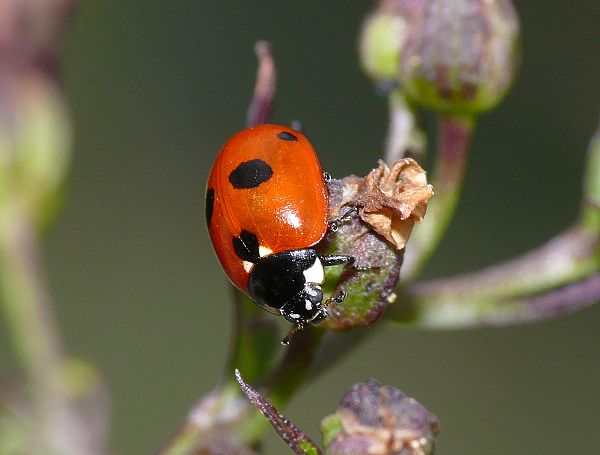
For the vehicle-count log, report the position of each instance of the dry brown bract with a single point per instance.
(390, 201)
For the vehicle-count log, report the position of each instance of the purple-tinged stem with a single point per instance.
(295, 438)
(566, 258)
(554, 279)
(261, 106)
(451, 161)
(404, 139)
(521, 290)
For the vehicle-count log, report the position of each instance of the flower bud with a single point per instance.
(382, 37)
(384, 206)
(460, 57)
(35, 144)
(379, 420)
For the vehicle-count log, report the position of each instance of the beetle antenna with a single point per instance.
(292, 333)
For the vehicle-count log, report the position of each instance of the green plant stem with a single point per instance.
(225, 411)
(335, 346)
(523, 289)
(591, 190)
(504, 293)
(255, 339)
(404, 138)
(451, 161)
(286, 377)
(26, 303)
(293, 368)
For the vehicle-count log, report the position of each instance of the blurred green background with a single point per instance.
(156, 87)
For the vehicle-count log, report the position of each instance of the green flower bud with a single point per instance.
(379, 44)
(35, 145)
(380, 210)
(459, 57)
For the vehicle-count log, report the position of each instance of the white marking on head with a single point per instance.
(264, 251)
(248, 266)
(308, 304)
(315, 273)
(294, 316)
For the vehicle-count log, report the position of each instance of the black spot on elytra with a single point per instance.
(286, 136)
(250, 174)
(209, 205)
(246, 246)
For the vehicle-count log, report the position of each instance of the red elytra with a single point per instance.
(267, 205)
(286, 211)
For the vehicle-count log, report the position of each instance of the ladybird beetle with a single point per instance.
(267, 205)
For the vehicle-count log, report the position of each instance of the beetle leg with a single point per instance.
(337, 297)
(336, 259)
(344, 259)
(335, 223)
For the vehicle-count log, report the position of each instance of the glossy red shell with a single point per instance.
(288, 210)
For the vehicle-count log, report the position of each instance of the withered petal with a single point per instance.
(393, 199)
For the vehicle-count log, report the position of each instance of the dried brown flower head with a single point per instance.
(391, 200)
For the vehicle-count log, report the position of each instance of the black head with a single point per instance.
(290, 282)
(305, 307)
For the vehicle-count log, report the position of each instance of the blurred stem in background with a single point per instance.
(404, 138)
(35, 149)
(448, 175)
(557, 278)
(28, 312)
